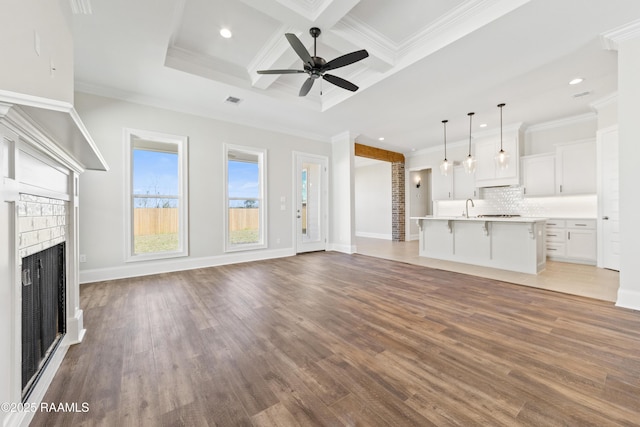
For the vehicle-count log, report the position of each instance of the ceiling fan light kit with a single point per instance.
(315, 67)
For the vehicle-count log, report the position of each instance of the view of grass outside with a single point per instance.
(155, 243)
(238, 237)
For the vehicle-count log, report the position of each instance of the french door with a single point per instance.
(311, 209)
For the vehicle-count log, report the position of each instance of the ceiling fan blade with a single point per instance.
(306, 87)
(297, 45)
(338, 81)
(280, 71)
(347, 59)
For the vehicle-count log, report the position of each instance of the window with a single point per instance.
(156, 195)
(245, 208)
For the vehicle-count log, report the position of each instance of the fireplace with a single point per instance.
(42, 230)
(44, 148)
(43, 310)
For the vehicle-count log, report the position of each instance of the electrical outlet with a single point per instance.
(83, 258)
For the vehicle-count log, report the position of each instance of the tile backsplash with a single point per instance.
(510, 200)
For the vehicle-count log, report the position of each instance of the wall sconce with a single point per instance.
(418, 183)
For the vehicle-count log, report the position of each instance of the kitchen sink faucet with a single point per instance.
(466, 207)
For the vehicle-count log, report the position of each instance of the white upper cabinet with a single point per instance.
(538, 174)
(441, 186)
(488, 173)
(576, 168)
(464, 184)
(457, 185)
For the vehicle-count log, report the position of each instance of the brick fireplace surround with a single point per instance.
(44, 148)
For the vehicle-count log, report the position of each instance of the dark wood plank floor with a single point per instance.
(333, 339)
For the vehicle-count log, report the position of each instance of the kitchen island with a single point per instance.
(516, 243)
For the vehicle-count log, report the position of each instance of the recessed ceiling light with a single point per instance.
(576, 81)
(483, 125)
(381, 138)
(226, 33)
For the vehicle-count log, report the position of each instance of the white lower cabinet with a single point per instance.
(572, 240)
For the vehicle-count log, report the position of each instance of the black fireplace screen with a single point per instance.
(43, 310)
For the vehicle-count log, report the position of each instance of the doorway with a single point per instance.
(311, 209)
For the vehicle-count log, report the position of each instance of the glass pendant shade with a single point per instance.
(502, 158)
(469, 163)
(445, 166)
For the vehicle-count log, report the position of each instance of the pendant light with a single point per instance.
(502, 158)
(445, 166)
(469, 163)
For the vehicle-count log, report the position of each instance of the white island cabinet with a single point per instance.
(516, 244)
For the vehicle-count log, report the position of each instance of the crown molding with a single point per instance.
(136, 98)
(611, 39)
(553, 124)
(601, 103)
(457, 23)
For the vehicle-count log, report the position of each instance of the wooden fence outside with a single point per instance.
(165, 220)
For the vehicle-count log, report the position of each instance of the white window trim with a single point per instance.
(262, 156)
(183, 193)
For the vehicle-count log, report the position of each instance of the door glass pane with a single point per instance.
(310, 197)
(303, 214)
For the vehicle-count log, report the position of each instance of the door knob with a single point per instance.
(605, 217)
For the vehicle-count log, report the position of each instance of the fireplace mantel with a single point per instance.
(44, 148)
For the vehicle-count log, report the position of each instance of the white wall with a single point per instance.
(629, 134)
(373, 200)
(102, 214)
(27, 72)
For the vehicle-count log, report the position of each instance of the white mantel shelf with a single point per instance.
(515, 244)
(61, 131)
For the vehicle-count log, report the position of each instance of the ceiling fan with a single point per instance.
(316, 66)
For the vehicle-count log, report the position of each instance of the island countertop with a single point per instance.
(509, 243)
(482, 218)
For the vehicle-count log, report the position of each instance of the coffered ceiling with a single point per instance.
(428, 60)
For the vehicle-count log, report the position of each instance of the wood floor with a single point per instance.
(575, 279)
(344, 340)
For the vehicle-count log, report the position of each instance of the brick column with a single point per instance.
(397, 201)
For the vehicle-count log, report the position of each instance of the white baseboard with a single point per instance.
(384, 236)
(178, 264)
(75, 329)
(347, 249)
(628, 299)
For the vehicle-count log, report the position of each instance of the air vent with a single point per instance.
(233, 100)
(581, 94)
